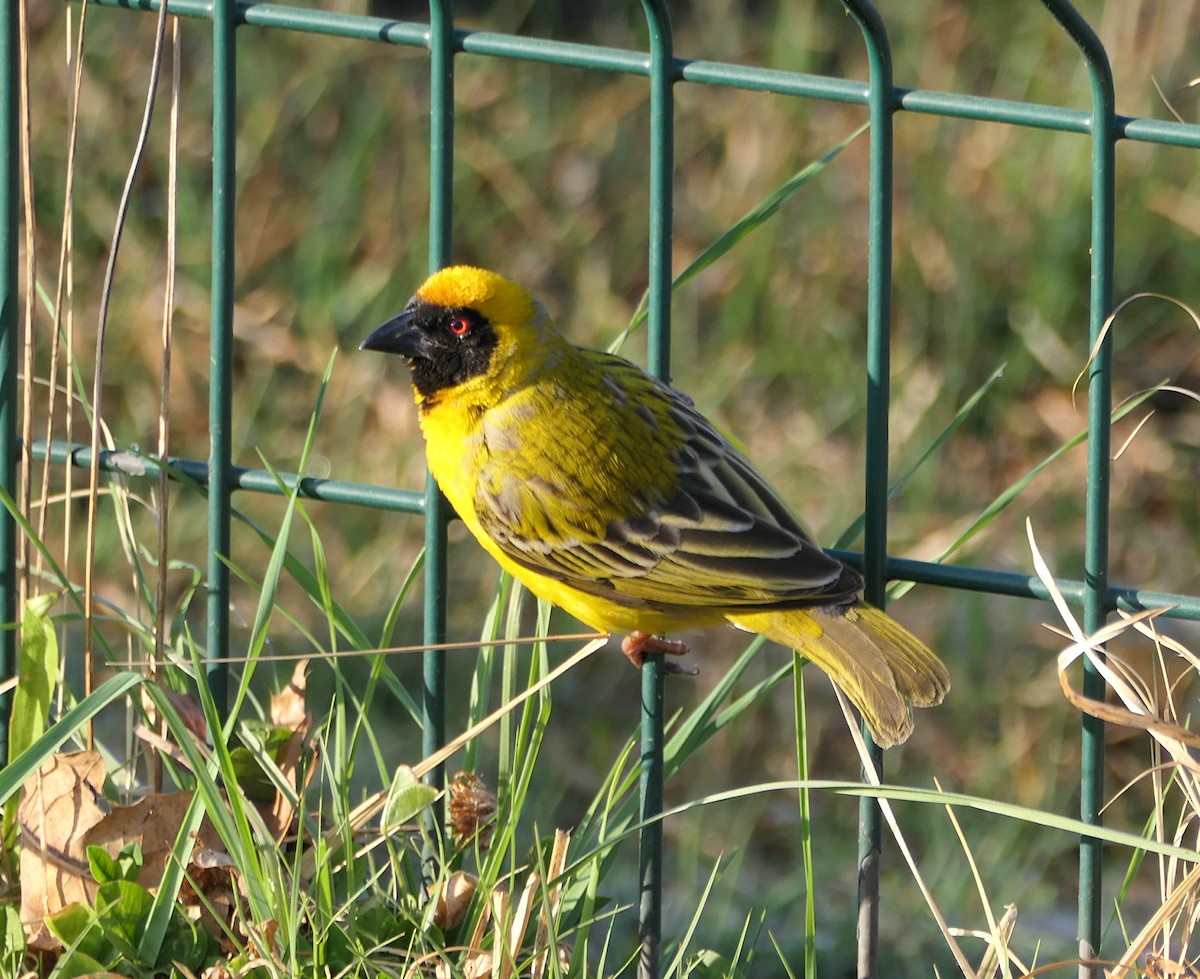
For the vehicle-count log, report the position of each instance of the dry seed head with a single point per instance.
(472, 809)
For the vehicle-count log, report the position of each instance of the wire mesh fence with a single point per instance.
(662, 70)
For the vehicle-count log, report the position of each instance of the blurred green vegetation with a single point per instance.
(550, 188)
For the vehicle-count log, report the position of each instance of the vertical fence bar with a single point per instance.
(1096, 520)
(662, 162)
(437, 510)
(882, 106)
(10, 217)
(220, 367)
(650, 837)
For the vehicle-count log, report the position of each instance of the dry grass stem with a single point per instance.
(24, 489)
(872, 776)
(998, 955)
(367, 810)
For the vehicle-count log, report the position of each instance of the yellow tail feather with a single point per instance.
(882, 667)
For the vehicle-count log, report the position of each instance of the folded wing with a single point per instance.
(664, 513)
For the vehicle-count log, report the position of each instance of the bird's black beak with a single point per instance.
(399, 335)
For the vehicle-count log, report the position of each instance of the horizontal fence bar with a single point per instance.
(744, 77)
(1018, 585)
(131, 463)
(966, 577)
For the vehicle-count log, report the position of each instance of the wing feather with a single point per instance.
(665, 513)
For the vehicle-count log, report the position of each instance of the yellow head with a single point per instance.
(470, 331)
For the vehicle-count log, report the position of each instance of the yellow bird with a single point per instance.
(609, 495)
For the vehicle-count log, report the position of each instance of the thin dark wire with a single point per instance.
(394, 650)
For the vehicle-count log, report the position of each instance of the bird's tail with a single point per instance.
(882, 667)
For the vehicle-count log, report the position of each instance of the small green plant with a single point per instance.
(107, 936)
(12, 941)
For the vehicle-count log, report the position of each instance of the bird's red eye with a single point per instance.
(460, 326)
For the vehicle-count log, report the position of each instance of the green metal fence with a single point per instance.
(662, 70)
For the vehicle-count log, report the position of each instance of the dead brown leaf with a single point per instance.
(190, 712)
(289, 710)
(453, 899)
(1157, 967)
(289, 707)
(152, 823)
(65, 811)
(63, 800)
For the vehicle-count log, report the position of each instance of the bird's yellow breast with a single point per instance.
(454, 451)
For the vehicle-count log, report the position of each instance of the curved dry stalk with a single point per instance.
(101, 336)
(1111, 318)
(1140, 708)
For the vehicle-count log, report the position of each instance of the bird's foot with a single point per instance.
(637, 644)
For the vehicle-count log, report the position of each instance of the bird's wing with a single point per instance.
(645, 503)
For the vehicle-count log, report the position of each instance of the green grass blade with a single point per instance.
(1068, 825)
(782, 958)
(708, 717)
(38, 670)
(481, 676)
(393, 614)
(690, 932)
(749, 222)
(111, 690)
(1016, 488)
(307, 580)
(173, 876)
(270, 585)
(851, 533)
(535, 714)
(227, 811)
(805, 800)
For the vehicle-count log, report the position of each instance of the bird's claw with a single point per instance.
(637, 644)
